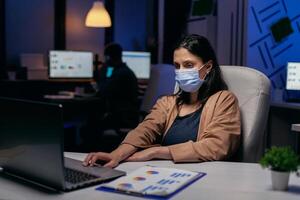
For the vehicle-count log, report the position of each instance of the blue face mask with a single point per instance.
(188, 79)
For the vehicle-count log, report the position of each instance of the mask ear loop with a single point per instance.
(206, 75)
(207, 63)
(202, 66)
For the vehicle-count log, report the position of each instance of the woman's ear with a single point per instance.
(209, 66)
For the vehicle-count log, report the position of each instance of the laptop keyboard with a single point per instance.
(75, 176)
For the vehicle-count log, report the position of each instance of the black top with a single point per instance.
(183, 129)
(119, 87)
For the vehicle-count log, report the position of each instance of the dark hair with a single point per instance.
(200, 47)
(114, 51)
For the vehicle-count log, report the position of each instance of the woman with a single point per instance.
(199, 123)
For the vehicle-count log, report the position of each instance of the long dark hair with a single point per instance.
(200, 47)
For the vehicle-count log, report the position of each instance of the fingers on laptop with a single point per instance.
(91, 158)
(87, 159)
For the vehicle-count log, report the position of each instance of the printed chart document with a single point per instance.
(153, 181)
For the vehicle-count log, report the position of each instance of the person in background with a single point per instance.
(199, 123)
(118, 106)
(118, 86)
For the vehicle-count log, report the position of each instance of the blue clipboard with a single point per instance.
(151, 196)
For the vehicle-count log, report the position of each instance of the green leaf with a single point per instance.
(280, 159)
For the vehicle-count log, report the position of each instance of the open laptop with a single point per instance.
(31, 147)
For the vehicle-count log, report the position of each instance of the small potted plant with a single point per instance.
(281, 161)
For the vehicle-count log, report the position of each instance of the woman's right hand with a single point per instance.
(110, 159)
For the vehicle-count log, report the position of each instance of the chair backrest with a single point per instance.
(252, 89)
(161, 82)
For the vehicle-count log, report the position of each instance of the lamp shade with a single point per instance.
(98, 16)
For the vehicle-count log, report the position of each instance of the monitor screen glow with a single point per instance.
(293, 76)
(70, 64)
(138, 62)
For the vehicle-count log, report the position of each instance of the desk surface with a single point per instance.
(224, 180)
(282, 104)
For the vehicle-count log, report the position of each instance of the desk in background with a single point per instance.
(76, 110)
(224, 180)
(296, 129)
(36, 89)
(281, 117)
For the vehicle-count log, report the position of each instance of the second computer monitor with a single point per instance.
(293, 76)
(70, 65)
(138, 62)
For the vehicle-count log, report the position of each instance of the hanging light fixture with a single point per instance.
(98, 16)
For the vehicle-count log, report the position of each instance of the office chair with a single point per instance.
(161, 82)
(252, 89)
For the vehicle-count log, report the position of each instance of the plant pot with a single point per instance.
(280, 180)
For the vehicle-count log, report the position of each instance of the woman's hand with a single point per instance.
(151, 153)
(110, 159)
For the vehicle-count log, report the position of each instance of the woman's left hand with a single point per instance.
(150, 153)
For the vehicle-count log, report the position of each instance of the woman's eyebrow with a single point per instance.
(188, 61)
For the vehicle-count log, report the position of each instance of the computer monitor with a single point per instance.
(70, 65)
(293, 76)
(292, 88)
(138, 62)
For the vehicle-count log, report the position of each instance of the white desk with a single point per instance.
(288, 105)
(224, 180)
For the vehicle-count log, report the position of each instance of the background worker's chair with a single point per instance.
(161, 82)
(252, 89)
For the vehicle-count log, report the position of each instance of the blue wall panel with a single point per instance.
(130, 24)
(264, 53)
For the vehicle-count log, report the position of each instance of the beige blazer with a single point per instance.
(218, 135)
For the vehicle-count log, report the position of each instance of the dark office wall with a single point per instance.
(35, 26)
(78, 36)
(60, 24)
(109, 32)
(29, 28)
(130, 24)
(2, 36)
(3, 74)
(152, 29)
(175, 21)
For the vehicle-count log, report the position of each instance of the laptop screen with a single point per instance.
(31, 140)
